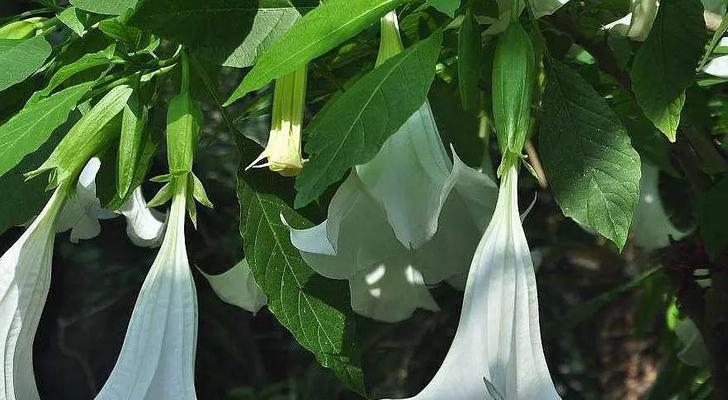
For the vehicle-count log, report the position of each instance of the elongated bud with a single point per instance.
(513, 81)
(184, 125)
(283, 150)
(89, 136)
(390, 43)
(21, 29)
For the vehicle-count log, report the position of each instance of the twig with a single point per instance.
(535, 162)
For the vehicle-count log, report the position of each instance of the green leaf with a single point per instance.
(447, 7)
(35, 123)
(106, 7)
(324, 28)
(586, 152)
(20, 58)
(665, 65)
(316, 310)
(351, 130)
(713, 219)
(470, 63)
(133, 123)
(208, 31)
(91, 134)
(88, 61)
(72, 17)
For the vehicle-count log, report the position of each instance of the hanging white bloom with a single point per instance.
(392, 237)
(25, 277)
(144, 226)
(83, 210)
(238, 287)
(497, 352)
(157, 359)
(651, 226)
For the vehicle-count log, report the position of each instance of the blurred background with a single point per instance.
(605, 316)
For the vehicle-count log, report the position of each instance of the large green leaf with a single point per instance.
(316, 310)
(324, 28)
(665, 65)
(20, 58)
(591, 165)
(33, 125)
(204, 26)
(351, 130)
(107, 7)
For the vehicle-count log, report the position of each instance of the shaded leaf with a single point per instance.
(106, 7)
(20, 58)
(208, 31)
(447, 7)
(665, 65)
(713, 219)
(592, 167)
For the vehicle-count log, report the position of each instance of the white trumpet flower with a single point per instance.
(25, 277)
(391, 235)
(144, 226)
(497, 352)
(157, 359)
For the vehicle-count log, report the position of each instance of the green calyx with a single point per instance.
(513, 82)
(390, 43)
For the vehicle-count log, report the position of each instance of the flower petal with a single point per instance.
(157, 358)
(25, 277)
(238, 287)
(390, 291)
(717, 67)
(498, 338)
(463, 220)
(413, 196)
(355, 235)
(83, 210)
(144, 226)
(651, 226)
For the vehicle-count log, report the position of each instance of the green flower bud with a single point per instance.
(390, 44)
(513, 82)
